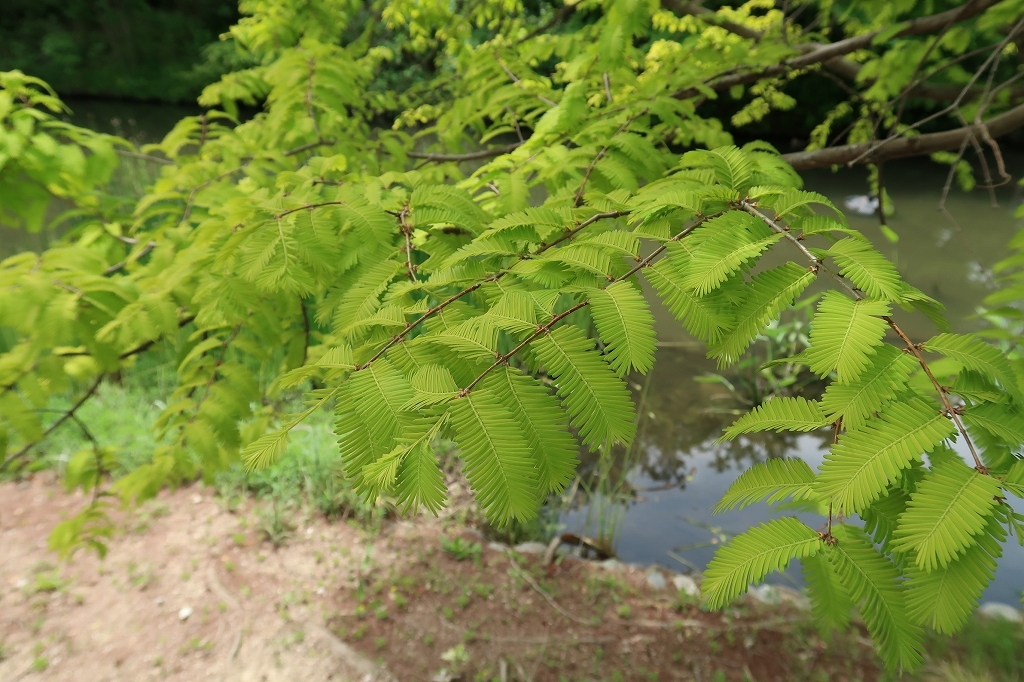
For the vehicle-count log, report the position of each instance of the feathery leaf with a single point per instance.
(626, 326)
(774, 479)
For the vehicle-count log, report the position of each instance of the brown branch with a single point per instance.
(469, 156)
(397, 338)
(144, 157)
(814, 54)
(310, 145)
(117, 266)
(870, 152)
(67, 415)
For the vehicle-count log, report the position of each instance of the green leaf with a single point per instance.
(881, 382)
(779, 414)
(733, 239)
(265, 450)
(420, 481)
(975, 354)
(772, 480)
(863, 462)
(543, 423)
(750, 556)
(703, 317)
(950, 508)
(869, 270)
(844, 334)
(769, 293)
(499, 462)
(944, 598)
(830, 604)
(626, 326)
(431, 384)
(873, 583)
(597, 401)
(370, 415)
(1000, 419)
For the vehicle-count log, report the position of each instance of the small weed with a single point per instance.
(462, 601)
(381, 612)
(359, 633)
(275, 527)
(461, 549)
(400, 601)
(158, 661)
(47, 582)
(40, 663)
(380, 642)
(447, 612)
(624, 611)
(428, 640)
(239, 539)
(456, 657)
(483, 590)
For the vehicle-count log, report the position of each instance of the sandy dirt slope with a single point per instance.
(120, 619)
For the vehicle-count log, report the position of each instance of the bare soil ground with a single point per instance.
(339, 602)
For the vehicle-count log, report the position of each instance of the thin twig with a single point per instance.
(144, 157)
(63, 418)
(547, 597)
(469, 156)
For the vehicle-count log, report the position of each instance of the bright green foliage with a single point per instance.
(862, 463)
(771, 481)
(831, 605)
(779, 414)
(878, 385)
(844, 335)
(750, 556)
(945, 514)
(872, 583)
(318, 247)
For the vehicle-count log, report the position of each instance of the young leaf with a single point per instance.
(597, 401)
(769, 293)
(626, 326)
(499, 463)
(702, 316)
(885, 377)
(844, 334)
(774, 479)
(868, 269)
(945, 597)
(750, 556)
(872, 582)
(830, 604)
(779, 414)
(863, 462)
(542, 421)
(950, 508)
(977, 355)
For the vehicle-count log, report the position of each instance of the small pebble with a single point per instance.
(184, 613)
(685, 583)
(197, 498)
(1000, 611)
(531, 548)
(159, 601)
(656, 580)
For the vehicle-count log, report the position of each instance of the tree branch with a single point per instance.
(918, 145)
(469, 156)
(827, 54)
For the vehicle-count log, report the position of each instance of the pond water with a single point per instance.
(681, 472)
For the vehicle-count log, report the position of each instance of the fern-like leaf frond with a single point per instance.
(626, 326)
(946, 513)
(830, 604)
(779, 414)
(883, 380)
(844, 334)
(864, 462)
(773, 480)
(873, 583)
(597, 401)
(750, 556)
(975, 354)
(869, 270)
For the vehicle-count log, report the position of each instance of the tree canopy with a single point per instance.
(439, 222)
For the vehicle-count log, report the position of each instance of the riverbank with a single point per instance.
(193, 588)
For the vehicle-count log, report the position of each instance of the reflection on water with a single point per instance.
(678, 472)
